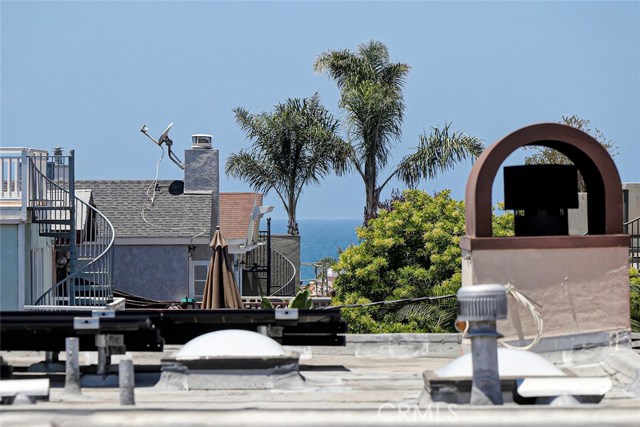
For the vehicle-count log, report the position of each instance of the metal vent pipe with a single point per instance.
(481, 306)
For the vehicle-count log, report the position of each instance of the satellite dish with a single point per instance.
(164, 138)
(176, 188)
(165, 134)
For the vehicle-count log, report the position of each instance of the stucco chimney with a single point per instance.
(202, 172)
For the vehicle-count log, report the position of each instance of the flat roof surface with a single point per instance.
(343, 386)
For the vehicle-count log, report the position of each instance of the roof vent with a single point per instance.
(201, 141)
(482, 303)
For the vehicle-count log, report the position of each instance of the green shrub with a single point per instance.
(634, 284)
(411, 250)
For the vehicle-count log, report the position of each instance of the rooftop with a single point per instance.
(128, 205)
(235, 210)
(372, 381)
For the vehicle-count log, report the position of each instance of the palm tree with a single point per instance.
(295, 145)
(371, 94)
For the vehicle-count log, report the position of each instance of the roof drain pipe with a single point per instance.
(481, 306)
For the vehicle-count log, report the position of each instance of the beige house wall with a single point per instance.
(578, 289)
(633, 189)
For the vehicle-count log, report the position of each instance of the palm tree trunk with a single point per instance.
(292, 227)
(372, 195)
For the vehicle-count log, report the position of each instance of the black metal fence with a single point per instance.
(632, 228)
(274, 273)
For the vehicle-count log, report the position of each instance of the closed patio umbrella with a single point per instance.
(220, 290)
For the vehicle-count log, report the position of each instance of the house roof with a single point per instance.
(128, 205)
(235, 212)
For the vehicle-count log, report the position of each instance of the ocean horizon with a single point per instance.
(320, 238)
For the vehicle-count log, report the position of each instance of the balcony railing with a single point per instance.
(42, 189)
(14, 173)
(632, 228)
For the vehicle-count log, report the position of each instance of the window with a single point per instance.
(197, 278)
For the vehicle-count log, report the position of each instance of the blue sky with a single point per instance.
(87, 75)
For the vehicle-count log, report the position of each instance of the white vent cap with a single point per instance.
(201, 141)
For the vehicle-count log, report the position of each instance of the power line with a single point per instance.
(396, 301)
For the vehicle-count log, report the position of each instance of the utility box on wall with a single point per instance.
(580, 283)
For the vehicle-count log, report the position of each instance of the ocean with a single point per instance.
(320, 238)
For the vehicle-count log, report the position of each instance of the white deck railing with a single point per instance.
(14, 173)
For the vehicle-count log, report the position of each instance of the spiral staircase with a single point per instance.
(273, 273)
(83, 236)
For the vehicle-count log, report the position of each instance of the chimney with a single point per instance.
(202, 173)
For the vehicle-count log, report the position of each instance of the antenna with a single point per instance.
(164, 138)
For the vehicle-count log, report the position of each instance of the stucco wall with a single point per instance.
(633, 198)
(201, 174)
(8, 266)
(578, 289)
(157, 272)
(202, 253)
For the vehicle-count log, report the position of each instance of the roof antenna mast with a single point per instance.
(164, 138)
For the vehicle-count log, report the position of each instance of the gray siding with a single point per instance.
(45, 244)
(8, 267)
(157, 272)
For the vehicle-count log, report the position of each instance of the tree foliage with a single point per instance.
(371, 93)
(294, 146)
(634, 283)
(410, 250)
(546, 155)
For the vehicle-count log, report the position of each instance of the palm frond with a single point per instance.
(438, 152)
(371, 93)
(435, 317)
(295, 145)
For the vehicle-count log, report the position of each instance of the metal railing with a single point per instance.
(281, 276)
(632, 228)
(255, 303)
(75, 225)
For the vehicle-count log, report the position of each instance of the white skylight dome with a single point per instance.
(511, 363)
(230, 343)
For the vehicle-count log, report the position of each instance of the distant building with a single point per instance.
(27, 259)
(162, 247)
(69, 243)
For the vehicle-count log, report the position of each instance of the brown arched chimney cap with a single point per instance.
(591, 158)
